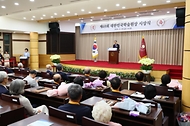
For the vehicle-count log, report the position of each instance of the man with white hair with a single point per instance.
(20, 66)
(49, 70)
(3, 83)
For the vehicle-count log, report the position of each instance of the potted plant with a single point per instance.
(55, 59)
(146, 65)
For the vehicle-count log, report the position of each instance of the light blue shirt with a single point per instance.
(27, 54)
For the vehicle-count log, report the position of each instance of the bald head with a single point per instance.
(87, 70)
(57, 78)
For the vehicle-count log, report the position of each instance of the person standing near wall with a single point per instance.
(6, 59)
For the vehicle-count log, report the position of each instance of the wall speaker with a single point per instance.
(53, 25)
(55, 30)
(180, 12)
(180, 22)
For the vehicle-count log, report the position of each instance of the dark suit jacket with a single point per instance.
(63, 76)
(3, 90)
(79, 110)
(50, 73)
(116, 46)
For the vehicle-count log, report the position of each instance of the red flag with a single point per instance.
(142, 51)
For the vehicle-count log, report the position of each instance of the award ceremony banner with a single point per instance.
(130, 24)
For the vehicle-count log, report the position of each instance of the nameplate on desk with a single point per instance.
(70, 116)
(138, 95)
(40, 122)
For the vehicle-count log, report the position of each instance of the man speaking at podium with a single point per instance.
(115, 45)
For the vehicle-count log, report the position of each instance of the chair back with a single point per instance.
(90, 122)
(162, 90)
(137, 87)
(68, 116)
(9, 98)
(45, 75)
(53, 86)
(110, 96)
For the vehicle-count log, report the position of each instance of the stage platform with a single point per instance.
(175, 71)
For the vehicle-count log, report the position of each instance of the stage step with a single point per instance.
(176, 73)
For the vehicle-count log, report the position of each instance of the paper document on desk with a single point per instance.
(40, 122)
(138, 95)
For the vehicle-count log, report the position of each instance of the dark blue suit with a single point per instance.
(116, 46)
(79, 110)
(63, 76)
(3, 90)
(50, 73)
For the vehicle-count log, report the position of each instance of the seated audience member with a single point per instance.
(102, 76)
(150, 92)
(59, 68)
(20, 66)
(139, 76)
(175, 84)
(17, 89)
(165, 79)
(62, 87)
(86, 77)
(8, 69)
(49, 70)
(102, 112)
(31, 80)
(115, 86)
(79, 80)
(75, 95)
(3, 83)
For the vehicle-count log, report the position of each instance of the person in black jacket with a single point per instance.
(59, 68)
(115, 45)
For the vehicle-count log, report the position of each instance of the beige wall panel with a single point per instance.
(1, 44)
(18, 47)
(34, 52)
(185, 92)
(42, 48)
(34, 45)
(187, 37)
(186, 62)
(1, 36)
(34, 59)
(21, 36)
(45, 59)
(42, 37)
(34, 66)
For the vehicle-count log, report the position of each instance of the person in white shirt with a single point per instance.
(17, 89)
(31, 80)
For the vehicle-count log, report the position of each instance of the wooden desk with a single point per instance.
(55, 121)
(123, 117)
(44, 99)
(171, 106)
(9, 113)
(96, 92)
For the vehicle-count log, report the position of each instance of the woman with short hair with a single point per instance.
(17, 89)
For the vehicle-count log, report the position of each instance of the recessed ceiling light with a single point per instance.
(98, 7)
(32, 0)
(89, 12)
(124, 16)
(101, 18)
(168, 1)
(55, 13)
(139, 1)
(75, 13)
(117, 5)
(16, 3)
(63, 15)
(44, 15)
(154, 9)
(112, 17)
(41, 18)
(3, 7)
(68, 12)
(152, 13)
(105, 10)
(168, 12)
(34, 16)
(104, 15)
(135, 11)
(91, 20)
(32, 19)
(24, 17)
(123, 7)
(51, 16)
(137, 15)
(144, 4)
(82, 9)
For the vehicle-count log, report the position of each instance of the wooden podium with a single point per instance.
(24, 61)
(113, 55)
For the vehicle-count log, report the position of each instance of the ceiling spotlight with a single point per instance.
(63, 15)
(82, 9)
(101, 19)
(123, 7)
(3, 7)
(89, 12)
(51, 16)
(168, 1)
(124, 16)
(34, 16)
(24, 17)
(105, 10)
(32, 19)
(75, 13)
(55, 13)
(144, 4)
(32, 0)
(139, 1)
(137, 15)
(44, 15)
(91, 20)
(41, 18)
(117, 5)
(17, 4)
(112, 17)
(168, 12)
(104, 15)
(68, 12)
(152, 13)
(98, 7)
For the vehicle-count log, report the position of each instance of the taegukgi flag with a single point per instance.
(94, 49)
(142, 51)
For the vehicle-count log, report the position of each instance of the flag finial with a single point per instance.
(143, 36)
